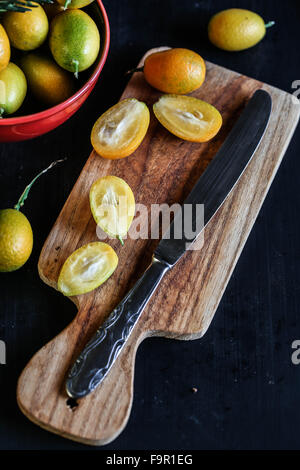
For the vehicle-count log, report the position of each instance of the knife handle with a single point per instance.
(99, 354)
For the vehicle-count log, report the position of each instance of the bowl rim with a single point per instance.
(61, 106)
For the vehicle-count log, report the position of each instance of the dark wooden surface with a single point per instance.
(248, 388)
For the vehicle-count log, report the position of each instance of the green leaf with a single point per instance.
(20, 6)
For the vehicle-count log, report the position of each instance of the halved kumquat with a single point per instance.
(112, 205)
(87, 268)
(120, 130)
(187, 117)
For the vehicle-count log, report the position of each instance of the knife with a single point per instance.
(211, 190)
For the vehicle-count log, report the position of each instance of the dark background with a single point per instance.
(248, 389)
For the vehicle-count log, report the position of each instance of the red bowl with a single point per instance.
(26, 127)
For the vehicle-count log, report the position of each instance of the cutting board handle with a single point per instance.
(56, 411)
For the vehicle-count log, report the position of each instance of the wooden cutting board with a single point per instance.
(163, 169)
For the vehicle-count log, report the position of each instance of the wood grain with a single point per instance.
(163, 169)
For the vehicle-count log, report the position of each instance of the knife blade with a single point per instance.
(211, 190)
